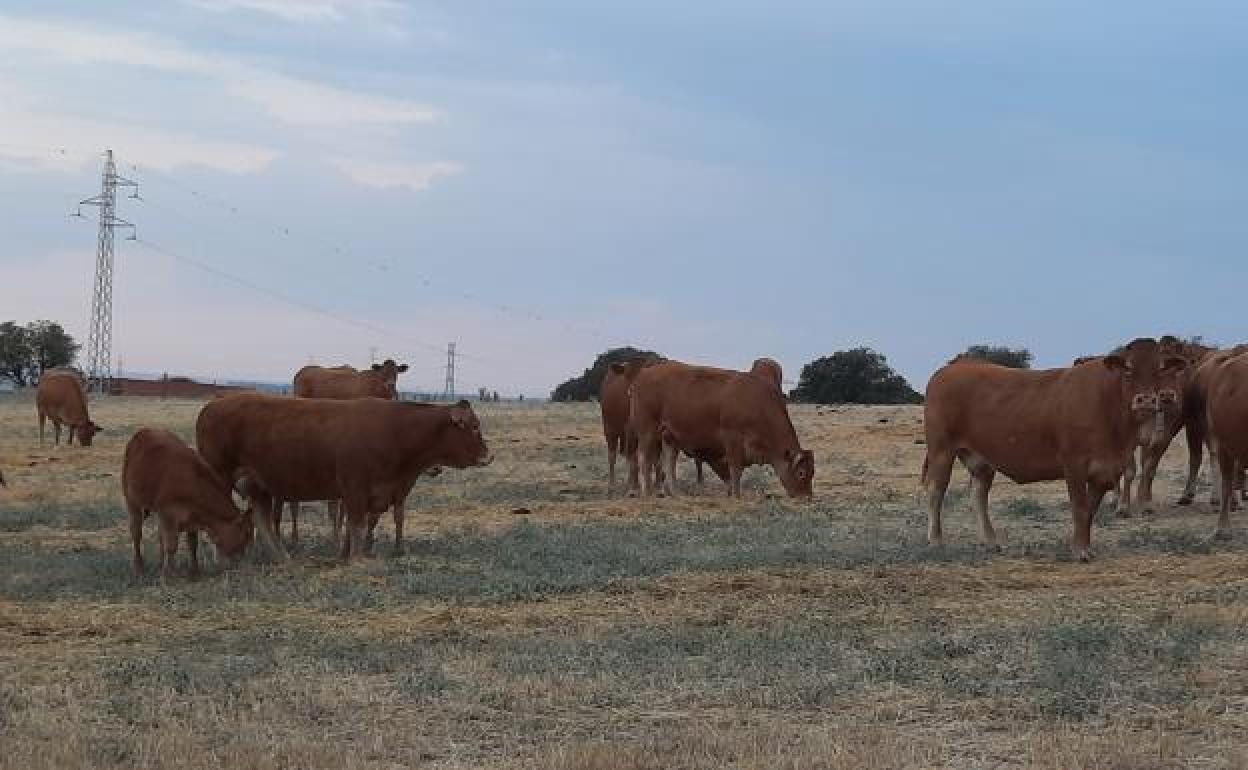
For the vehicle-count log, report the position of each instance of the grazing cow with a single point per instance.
(62, 398)
(160, 474)
(1075, 424)
(613, 400)
(348, 382)
(365, 452)
(715, 414)
(1226, 419)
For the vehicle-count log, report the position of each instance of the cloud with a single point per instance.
(299, 11)
(303, 103)
(291, 100)
(26, 136)
(390, 175)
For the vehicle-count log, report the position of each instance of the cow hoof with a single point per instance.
(1221, 534)
(1083, 555)
(1184, 500)
(1147, 511)
(1122, 513)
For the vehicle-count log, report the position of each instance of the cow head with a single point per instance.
(234, 536)
(797, 472)
(1151, 381)
(388, 379)
(464, 446)
(86, 432)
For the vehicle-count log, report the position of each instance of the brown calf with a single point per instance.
(160, 474)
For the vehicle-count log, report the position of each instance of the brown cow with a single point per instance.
(613, 400)
(348, 382)
(340, 382)
(715, 414)
(1187, 412)
(769, 369)
(1226, 419)
(365, 452)
(1075, 424)
(62, 399)
(160, 474)
(1195, 403)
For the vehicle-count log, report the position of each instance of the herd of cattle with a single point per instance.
(346, 440)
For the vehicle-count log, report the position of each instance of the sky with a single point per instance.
(327, 180)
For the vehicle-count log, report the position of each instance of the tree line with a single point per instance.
(26, 351)
(857, 376)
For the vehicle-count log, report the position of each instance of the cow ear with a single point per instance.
(1115, 363)
(619, 367)
(1174, 364)
(402, 368)
(376, 367)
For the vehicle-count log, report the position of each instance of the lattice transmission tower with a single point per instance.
(100, 337)
(450, 372)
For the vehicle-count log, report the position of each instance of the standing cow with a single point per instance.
(613, 399)
(339, 382)
(162, 475)
(1226, 419)
(381, 381)
(711, 414)
(62, 398)
(1075, 424)
(365, 452)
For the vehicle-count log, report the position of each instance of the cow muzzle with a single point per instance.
(1144, 402)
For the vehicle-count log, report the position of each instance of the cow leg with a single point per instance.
(56, 431)
(938, 470)
(371, 539)
(399, 513)
(670, 455)
(263, 504)
(356, 506)
(294, 524)
(333, 509)
(1226, 473)
(1126, 481)
(646, 461)
(613, 449)
(1195, 446)
(1144, 494)
(1081, 537)
(982, 475)
(136, 535)
(697, 464)
(192, 542)
(43, 420)
(168, 547)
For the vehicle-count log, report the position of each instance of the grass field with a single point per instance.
(595, 633)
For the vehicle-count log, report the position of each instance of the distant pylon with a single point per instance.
(100, 336)
(450, 371)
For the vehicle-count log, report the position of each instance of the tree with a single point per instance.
(27, 351)
(587, 386)
(1019, 358)
(858, 376)
(51, 347)
(15, 352)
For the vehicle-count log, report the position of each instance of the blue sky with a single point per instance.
(714, 180)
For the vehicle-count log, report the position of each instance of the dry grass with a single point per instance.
(593, 633)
